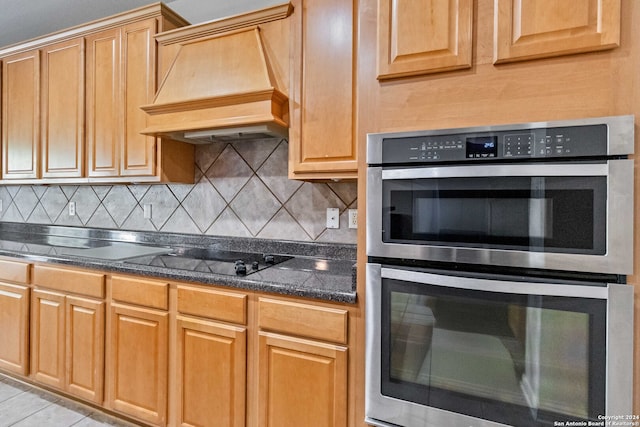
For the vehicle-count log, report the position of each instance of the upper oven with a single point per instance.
(553, 195)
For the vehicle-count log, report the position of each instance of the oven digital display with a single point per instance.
(482, 146)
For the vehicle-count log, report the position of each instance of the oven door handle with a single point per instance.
(575, 169)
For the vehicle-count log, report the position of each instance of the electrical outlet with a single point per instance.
(0, 205)
(147, 211)
(333, 218)
(72, 208)
(353, 218)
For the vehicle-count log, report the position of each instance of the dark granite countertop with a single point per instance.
(313, 270)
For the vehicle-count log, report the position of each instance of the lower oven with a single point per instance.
(497, 263)
(460, 350)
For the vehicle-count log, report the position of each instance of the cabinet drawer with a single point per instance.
(213, 304)
(140, 292)
(14, 271)
(74, 281)
(306, 320)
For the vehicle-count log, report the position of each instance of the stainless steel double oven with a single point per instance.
(497, 263)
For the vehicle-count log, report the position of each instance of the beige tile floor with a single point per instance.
(24, 406)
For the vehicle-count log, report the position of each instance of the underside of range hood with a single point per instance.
(219, 88)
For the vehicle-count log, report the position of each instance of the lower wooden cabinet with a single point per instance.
(14, 328)
(301, 382)
(85, 348)
(236, 358)
(67, 343)
(137, 362)
(211, 373)
(48, 338)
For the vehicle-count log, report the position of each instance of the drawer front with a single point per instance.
(213, 304)
(147, 293)
(67, 280)
(14, 271)
(305, 320)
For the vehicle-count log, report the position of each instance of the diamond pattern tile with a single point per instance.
(163, 204)
(119, 203)
(39, 216)
(86, 203)
(25, 201)
(255, 205)
(229, 173)
(54, 201)
(204, 204)
(101, 219)
(274, 174)
(283, 226)
(206, 154)
(241, 189)
(228, 224)
(309, 207)
(255, 152)
(180, 222)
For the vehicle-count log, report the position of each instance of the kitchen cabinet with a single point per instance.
(137, 350)
(67, 331)
(21, 115)
(62, 115)
(302, 372)
(424, 36)
(528, 29)
(14, 316)
(322, 134)
(71, 105)
(211, 358)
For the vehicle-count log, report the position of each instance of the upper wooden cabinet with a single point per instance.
(21, 122)
(423, 36)
(322, 140)
(62, 105)
(71, 105)
(527, 29)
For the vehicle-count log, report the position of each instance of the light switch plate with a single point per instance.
(146, 208)
(333, 218)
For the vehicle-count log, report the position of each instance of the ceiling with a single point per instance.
(27, 19)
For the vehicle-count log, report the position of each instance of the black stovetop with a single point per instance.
(212, 261)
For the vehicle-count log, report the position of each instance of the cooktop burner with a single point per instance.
(212, 261)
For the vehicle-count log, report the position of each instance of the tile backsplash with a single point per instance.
(240, 189)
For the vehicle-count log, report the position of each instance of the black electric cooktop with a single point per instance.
(212, 261)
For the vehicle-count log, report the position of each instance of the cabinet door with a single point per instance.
(139, 80)
(21, 115)
(48, 338)
(137, 363)
(63, 109)
(85, 348)
(211, 373)
(527, 29)
(104, 100)
(423, 36)
(14, 328)
(322, 141)
(301, 382)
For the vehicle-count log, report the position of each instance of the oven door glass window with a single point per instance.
(522, 360)
(545, 214)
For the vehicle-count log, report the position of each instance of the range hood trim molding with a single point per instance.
(272, 94)
(222, 112)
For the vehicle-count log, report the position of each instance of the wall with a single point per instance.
(240, 189)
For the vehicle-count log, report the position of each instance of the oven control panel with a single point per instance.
(514, 144)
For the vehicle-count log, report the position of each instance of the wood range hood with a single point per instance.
(219, 88)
